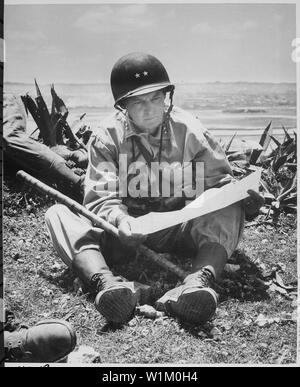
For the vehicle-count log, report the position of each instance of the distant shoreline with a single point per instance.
(176, 83)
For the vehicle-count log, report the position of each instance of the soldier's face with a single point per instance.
(147, 110)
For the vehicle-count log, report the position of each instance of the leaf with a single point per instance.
(291, 166)
(264, 142)
(45, 126)
(267, 162)
(279, 282)
(265, 186)
(279, 163)
(237, 171)
(288, 188)
(275, 288)
(59, 103)
(291, 200)
(38, 91)
(32, 108)
(290, 149)
(269, 198)
(52, 110)
(276, 141)
(77, 125)
(227, 146)
(286, 133)
(255, 156)
(289, 207)
(266, 137)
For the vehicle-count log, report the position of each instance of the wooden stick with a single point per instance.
(72, 204)
(99, 222)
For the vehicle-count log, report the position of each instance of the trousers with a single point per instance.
(71, 233)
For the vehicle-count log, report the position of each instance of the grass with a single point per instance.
(38, 286)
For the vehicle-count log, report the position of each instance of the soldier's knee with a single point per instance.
(56, 211)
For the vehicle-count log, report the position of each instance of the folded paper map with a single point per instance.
(211, 200)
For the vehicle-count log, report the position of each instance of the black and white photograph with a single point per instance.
(149, 186)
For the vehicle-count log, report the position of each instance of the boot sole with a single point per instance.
(117, 305)
(195, 307)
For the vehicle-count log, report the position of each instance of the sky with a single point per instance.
(195, 42)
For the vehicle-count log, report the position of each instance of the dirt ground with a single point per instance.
(255, 322)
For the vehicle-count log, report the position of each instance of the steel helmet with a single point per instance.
(138, 73)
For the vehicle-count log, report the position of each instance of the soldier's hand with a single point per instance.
(253, 203)
(62, 151)
(80, 157)
(126, 236)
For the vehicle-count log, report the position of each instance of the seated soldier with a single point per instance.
(34, 157)
(146, 130)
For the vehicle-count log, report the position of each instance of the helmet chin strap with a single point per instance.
(171, 103)
(125, 113)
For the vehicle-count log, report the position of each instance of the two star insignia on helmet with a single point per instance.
(137, 75)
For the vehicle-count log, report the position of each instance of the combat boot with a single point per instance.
(194, 301)
(48, 341)
(116, 298)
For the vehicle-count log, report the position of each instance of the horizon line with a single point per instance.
(176, 83)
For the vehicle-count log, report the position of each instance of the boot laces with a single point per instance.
(202, 278)
(104, 280)
(15, 349)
